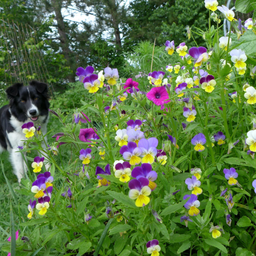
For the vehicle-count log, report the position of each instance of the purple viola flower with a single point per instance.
(131, 152)
(111, 75)
(145, 170)
(131, 85)
(103, 181)
(228, 219)
(169, 47)
(198, 141)
(153, 247)
(192, 204)
(231, 175)
(135, 136)
(182, 49)
(92, 83)
(189, 113)
(28, 129)
(131, 124)
(208, 83)
(229, 201)
(85, 155)
(81, 117)
(82, 73)
(223, 192)
(219, 137)
(48, 178)
(123, 171)
(173, 140)
(87, 217)
(254, 185)
(199, 54)
(157, 77)
(186, 219)
(31, 207)
(38, 187)
(194, 184)
(180, 88)
(161, 157)
(203, 73)
(157, 217)
(67, 193)
(184, 125)
(148, 149)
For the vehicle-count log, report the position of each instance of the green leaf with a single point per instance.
(50, 235)
(208, 209)
(243, 252)
(125, 252)
(177, 238)
(84, 247)
(122, 199)
(244, 222)
(120, 242)
(119, 228)
(216, 244)
(181, 160)
(173, 208)
(35, 222)
(236, 161)
(186, 245)
(245, 6)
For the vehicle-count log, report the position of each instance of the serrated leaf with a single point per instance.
(186, 245)
(119, 228)
(216, 244)
(244, 222)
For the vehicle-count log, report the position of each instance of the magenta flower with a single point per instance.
(87, 134)
(130, 85)
(82, 73)
(9, 240)
(158, 95)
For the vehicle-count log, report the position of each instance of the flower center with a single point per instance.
(157, 95)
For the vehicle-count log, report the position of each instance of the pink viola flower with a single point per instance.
(231, 175)
(180, 88)
(199, 54)
(131, 85)
(16, 238)
(145, 170)
(169, 47)
(82, 73)
(158, 95)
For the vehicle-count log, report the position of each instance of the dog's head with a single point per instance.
(28, 101)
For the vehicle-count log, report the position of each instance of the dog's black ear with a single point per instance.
(40, 87)
(13, 90)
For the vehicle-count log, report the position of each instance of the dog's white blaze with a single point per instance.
(32, 106)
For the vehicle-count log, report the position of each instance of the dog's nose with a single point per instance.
(32, 112)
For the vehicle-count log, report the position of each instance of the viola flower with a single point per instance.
(87, 134)
(189, 81)
(48, 178)
(196, 172)
(157, 78)
(121, 137)
(186, 219)
(250, 95)
(215, 231)
(161, 157)
(198, 141)
(135, 136)
(228, 219)
(130, 85)
(102, 152)
(131, 152)
(85, 155)
(239, 57)
(179, 80)
(148, 149)
(38, 187)
(158, 95)
(189, 113)
(219, 137)
(157, 217)
(180, 88)
(230, 175)
(169, 68)
(173, 141)
(181, 49)
(248, 23)
(123, 171)
(254, 185)
(251, 140)
(31, 206)
(43, 205)
(194, 184)
(223, 42)
(87, 217)
(192, 205)
(176, 69)
(211, 5)
(101, 78)
(103, 181)
(37, 164)
(91, 83)
(82, 73)
(208, 83)
(67, 193)
(145, 170)
(229, 14)
(28, 129)
(81, 118)
(136, 125)
(233, 96)
(229, 201)
(111, 75)
(169, 47)
(199, 54)
(140, 191)
(153, 247)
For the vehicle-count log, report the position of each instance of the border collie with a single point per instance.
(26, 104)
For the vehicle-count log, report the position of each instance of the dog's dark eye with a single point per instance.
(35, 98)
(23, 101)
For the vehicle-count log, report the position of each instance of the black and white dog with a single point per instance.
(27, 103)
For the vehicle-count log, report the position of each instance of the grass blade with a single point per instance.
(13, 233)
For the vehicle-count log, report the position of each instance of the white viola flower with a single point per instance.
(121, 137)
(250, 95)
(251, 140)
(229, 14)
(211, 4)
(179, 80)
(248, 23)
(223, 42)
(189, 81)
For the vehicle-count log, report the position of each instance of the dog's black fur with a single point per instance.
(26, 104)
